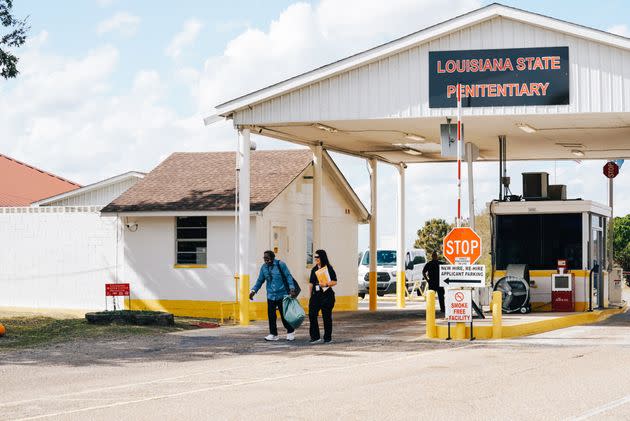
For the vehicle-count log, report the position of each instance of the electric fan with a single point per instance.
(514, 289)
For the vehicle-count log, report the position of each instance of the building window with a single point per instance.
(539, 240)
(309, 241)
(192, 240)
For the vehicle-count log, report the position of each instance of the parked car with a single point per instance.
(386, 271)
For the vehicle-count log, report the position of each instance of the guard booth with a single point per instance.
(540, 233)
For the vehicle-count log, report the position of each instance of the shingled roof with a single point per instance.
(205, 181)
(22, 184)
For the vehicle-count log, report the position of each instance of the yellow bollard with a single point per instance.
(372, 291)
(497, 326)
(400, 289)
(430, 315)
(244, 301)
(460, 331)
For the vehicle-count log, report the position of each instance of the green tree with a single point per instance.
(621, 241)
(431, 235)
(482, 228)
(13, 36)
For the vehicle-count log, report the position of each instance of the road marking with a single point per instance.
(245, 383)
(603, 408)
(123, 386)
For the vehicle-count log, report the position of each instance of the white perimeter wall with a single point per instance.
(150, 259)
(56, 257)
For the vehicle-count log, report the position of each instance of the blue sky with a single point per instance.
(72, 31)
(109, 86)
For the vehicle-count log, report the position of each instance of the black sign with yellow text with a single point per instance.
(499, 78)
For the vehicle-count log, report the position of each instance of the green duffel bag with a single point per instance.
(293, 312)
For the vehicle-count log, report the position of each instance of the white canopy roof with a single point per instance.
(366, 104)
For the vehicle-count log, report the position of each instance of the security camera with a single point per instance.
(132, 226)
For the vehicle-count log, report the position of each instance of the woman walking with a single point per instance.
(323, 278)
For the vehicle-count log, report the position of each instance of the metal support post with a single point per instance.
(459, 155)
(317, 196)
(610, 226)
(471, 188)
(243, 231)
(401, 252)
(373, 256)
(609, 242)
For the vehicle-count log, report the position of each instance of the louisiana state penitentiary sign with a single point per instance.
(496, 78)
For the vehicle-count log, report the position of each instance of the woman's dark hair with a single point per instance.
(323, 257)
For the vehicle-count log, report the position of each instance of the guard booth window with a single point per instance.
(192, 240)
(539, 240)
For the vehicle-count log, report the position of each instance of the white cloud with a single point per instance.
(187, 36)
(63, 115)
(37, 40)
(306, 36)
(620, 30)
(123, 23)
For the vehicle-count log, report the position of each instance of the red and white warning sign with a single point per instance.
(458, 305)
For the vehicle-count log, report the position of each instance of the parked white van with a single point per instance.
(386, 270)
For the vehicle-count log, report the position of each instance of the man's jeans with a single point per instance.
(272, 305)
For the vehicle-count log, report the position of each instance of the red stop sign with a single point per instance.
(462, 243)
(611, 170)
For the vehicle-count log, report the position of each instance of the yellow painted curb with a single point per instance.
(532, 328)
(212, 309)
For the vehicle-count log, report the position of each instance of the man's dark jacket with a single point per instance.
(432, 271)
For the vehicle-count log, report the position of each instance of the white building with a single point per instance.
(59, 252)
(180, 241)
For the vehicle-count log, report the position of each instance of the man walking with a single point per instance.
(432, 269)
(279, 284)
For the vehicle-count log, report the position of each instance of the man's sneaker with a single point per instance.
(327, 341)
(291, 336)
(315, 341)
(271, 337)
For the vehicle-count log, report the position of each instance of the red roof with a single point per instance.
(22, 184)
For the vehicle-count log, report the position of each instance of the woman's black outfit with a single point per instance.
(321, 300)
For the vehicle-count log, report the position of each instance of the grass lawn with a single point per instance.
(38, 330)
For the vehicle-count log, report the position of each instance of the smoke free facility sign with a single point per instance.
(500, 77)
(458, 305)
